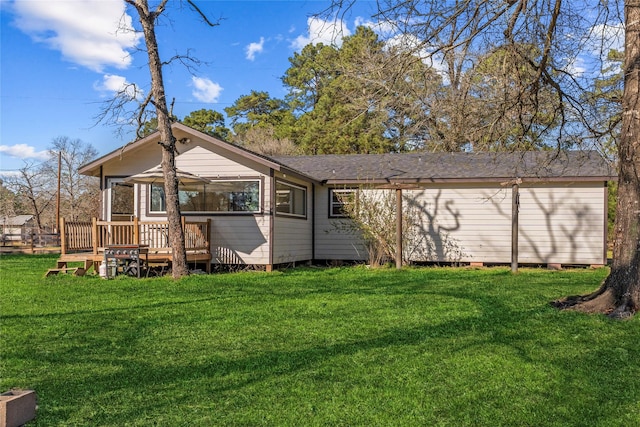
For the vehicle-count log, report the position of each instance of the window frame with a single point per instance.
(291, 185)
(111, 183)
(259, 209)
(333, 203)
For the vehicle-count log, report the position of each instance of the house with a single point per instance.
(16, 228)
(281, 210)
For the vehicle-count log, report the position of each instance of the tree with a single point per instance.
(79, 198)
(258, 109)
(157, 98)
(619, 294)
(9, 203)
(262, 140)
(209, 122)
(372, 215)
(323, 81)
(36, 191)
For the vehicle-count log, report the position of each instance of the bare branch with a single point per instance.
(202, 14)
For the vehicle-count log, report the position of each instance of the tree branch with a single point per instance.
(202, 14)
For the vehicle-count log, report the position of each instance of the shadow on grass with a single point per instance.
(582, 367)
(589, 372)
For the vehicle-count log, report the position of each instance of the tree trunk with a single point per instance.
(619, 295)
(179, 266)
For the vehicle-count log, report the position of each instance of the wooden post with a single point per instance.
(94, 235)
(63, 237)
(136, 231)
(58, 193)
(398, 228)
(515, 208)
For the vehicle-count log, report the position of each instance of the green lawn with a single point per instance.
(316, 347)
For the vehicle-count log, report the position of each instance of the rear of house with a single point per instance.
(248, 198)
(284, 210)
(465, 205)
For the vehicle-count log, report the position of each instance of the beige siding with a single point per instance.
(240, 240)
(334, 240)
(134, 162)
(200, 161)
(564, 225)
(558, 224)
(235, 238)
(467, 224)
(292, 236)
(292, 240)
(193, 158)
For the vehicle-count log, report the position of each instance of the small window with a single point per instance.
(339, 198)
(218, 196)
(291, 199)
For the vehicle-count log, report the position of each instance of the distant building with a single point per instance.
(16, 228)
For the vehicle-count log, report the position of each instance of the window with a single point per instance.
(218, 196)
(121, 200)
(339, 198)
(291, 199)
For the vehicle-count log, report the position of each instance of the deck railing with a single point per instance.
(94, 236)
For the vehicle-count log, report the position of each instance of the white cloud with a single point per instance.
(385, 29)
(577, 66)
(205, 90)
(609, 37)
(321, 31)
(254, 48)
(23, 151)
(91, 33)
(114, 84)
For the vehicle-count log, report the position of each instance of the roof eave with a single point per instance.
(499, 180)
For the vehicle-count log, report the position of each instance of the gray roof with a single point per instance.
(455, 167)
(15, 221)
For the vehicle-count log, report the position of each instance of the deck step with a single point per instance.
(76, 271)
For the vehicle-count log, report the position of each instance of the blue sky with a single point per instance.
(61, 59)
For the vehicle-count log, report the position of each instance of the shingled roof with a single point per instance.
(452, 167)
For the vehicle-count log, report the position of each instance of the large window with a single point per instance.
(218, 196)
(291, 199)
(338, 200)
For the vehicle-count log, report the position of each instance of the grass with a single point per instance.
(316, 347)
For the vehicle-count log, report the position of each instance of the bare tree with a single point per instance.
(157, 97)
(33, 187)
(262, 140)
(79, 198)
(371, 215)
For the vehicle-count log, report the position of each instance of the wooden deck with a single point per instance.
(85, 241)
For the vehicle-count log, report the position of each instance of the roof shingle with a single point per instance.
(441, 167)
